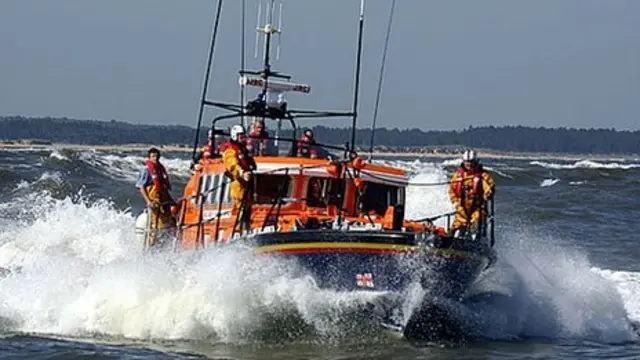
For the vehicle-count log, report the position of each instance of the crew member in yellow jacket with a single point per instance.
(239, 167)
(470, 188)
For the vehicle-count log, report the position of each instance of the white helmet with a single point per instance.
(235, 131)
(469, 155)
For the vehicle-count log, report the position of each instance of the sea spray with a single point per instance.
(554, 295)
(80, 275)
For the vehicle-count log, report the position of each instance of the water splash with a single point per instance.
(549, 291)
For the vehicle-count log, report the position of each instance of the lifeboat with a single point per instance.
(342, 220)
(340, 217)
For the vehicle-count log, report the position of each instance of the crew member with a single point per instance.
(470, 188)
(307, 145)
(239, 166)
(315, 196)
(258, 140)
(155, 188)
(208, 151)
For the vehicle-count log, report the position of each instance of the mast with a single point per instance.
(268, 30)
(271, 102)
(356, 88)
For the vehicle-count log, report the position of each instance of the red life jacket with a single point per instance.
(257, 143)
(307, 148)
(244, 157)
(159, 176)
(476, 189)
(208, 151)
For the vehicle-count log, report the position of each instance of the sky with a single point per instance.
(451, 64)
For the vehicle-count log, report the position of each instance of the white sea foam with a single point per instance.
(585, 164)
(549, 182)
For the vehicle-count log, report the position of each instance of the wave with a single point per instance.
(549, 182)
(79, 275)
(127, 167)
(586, 164)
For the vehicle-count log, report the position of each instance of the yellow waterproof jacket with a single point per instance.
(236, 161)
(469, 188)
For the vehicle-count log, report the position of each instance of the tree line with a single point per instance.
(505, 138)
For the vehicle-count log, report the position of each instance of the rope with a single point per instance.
(418, 184)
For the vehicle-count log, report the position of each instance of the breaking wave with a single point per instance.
(546, 291)
(75, 272)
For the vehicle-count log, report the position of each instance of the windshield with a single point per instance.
(322, 192)
(378, 197)
(271, 187)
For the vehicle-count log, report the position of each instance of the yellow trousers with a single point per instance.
(160, 217)
(465, 219)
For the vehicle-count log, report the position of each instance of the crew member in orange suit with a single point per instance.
(470, 188)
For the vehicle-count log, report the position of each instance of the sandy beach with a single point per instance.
(485, 153)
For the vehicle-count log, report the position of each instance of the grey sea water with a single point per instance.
(567, 241)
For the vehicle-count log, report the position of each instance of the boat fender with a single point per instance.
(141, 230)
(358, 183)
(358, 163)
(333, 169)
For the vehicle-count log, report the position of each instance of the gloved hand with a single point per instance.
(246, 175)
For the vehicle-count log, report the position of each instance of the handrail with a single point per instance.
(275, 201)
(434, 218)
(353, 182)
(348, 153)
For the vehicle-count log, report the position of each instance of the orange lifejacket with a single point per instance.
(476, 189)
(159, 176)
(206, 151)
(244, 157)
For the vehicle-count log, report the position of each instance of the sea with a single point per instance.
(75, 286)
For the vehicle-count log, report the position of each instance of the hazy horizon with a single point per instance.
(450, 65)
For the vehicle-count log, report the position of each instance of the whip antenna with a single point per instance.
(214, 35)
(242, 61)
(255, 51)
(280, 34)
(357, 80)
(380, 76)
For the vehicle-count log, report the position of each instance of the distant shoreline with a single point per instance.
(483, 153)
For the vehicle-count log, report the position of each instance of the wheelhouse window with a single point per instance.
(322, 192)
(378, 197)
(271, 187)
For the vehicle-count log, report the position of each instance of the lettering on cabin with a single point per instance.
(212, 214)
(356, 226)
(257, 231)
